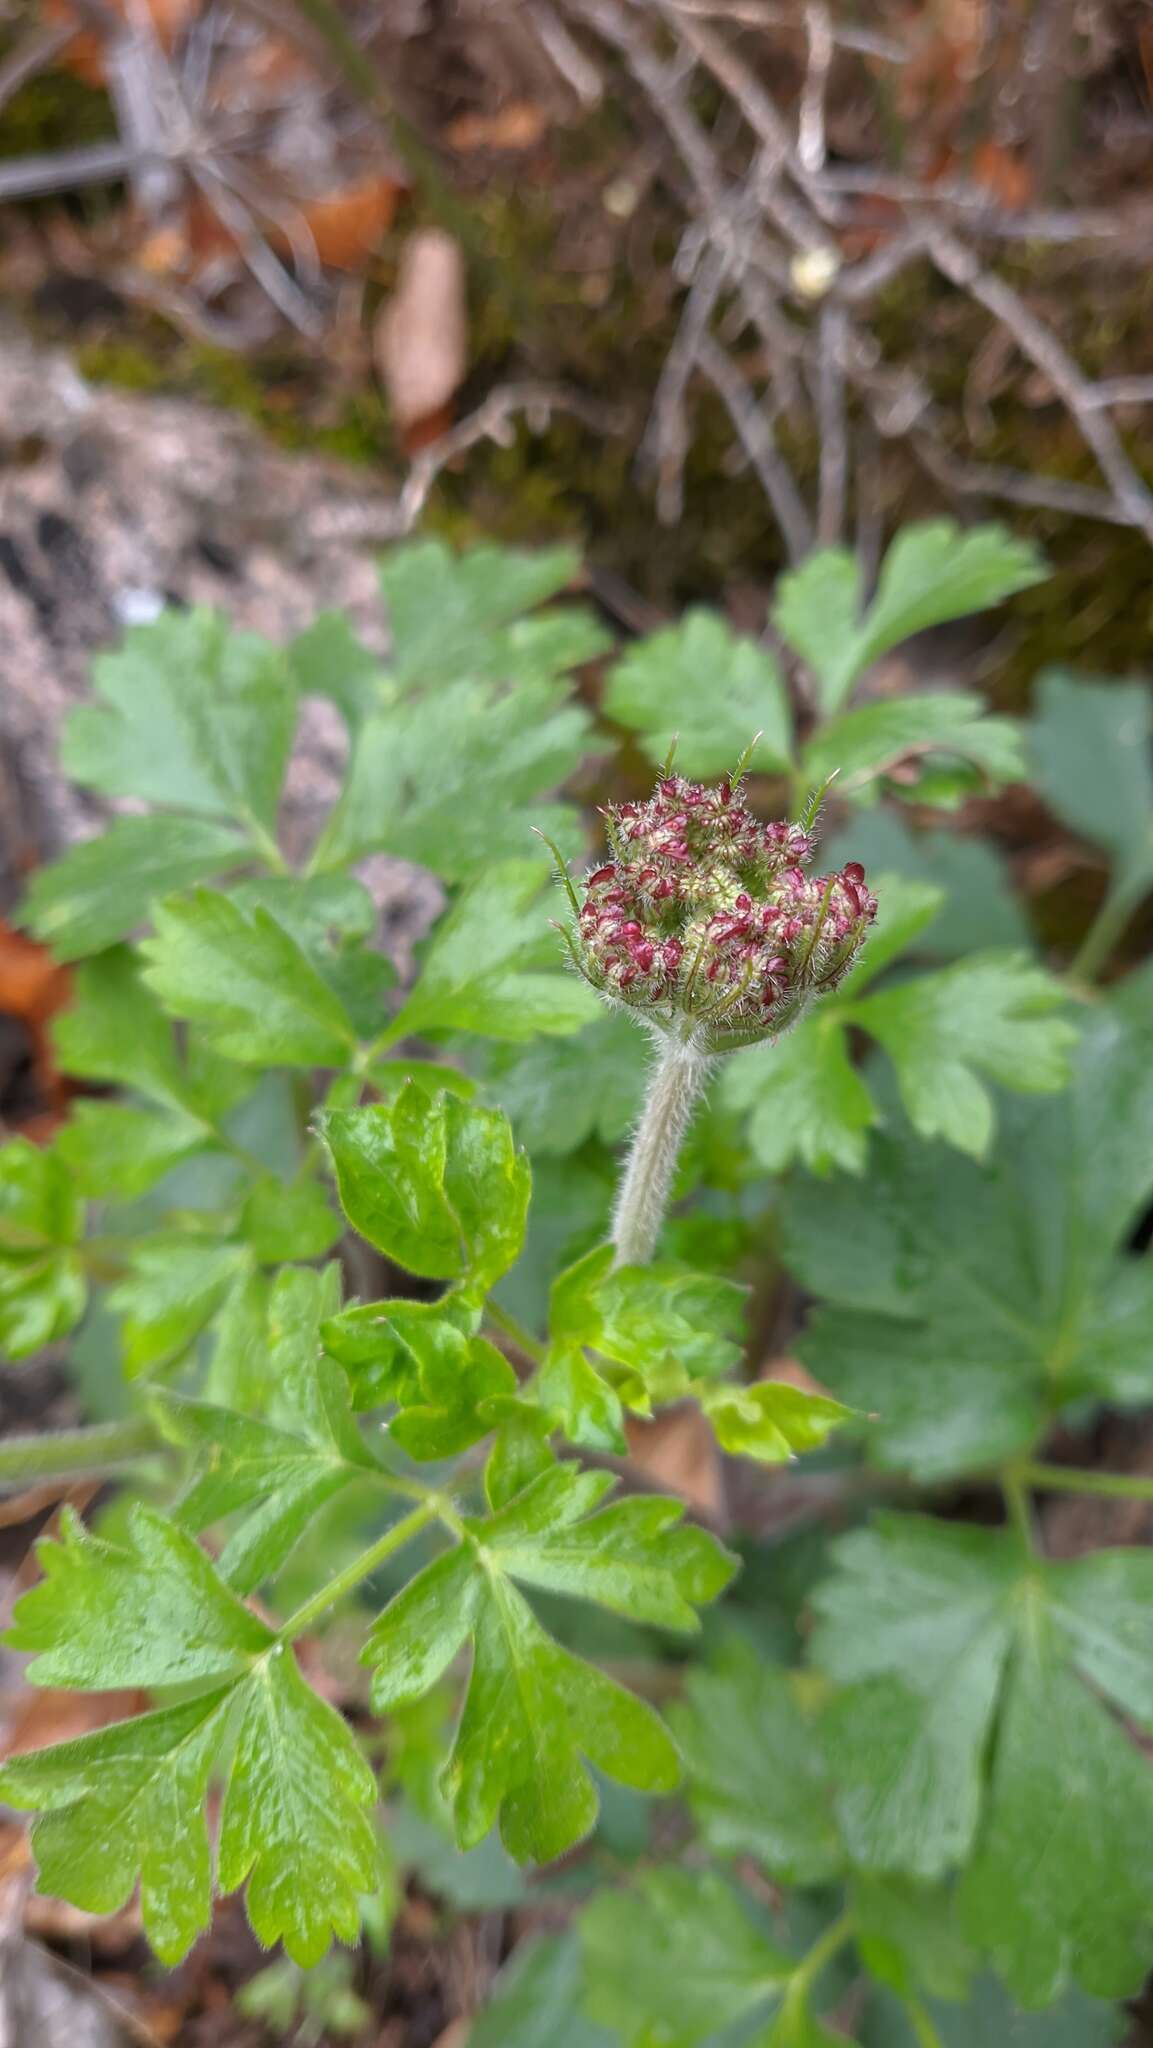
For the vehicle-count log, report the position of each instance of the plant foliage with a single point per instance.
(301, 1202)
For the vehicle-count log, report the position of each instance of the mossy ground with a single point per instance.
(562, 289)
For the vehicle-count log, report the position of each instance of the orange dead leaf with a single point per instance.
(1006, 176)
(517, 126)
(348, 226)
(32, 989)
(84, 55)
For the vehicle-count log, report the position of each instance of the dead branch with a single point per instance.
(832, 426)
(665, 443)
(811, 115)
(493, 420)
(754, 431)
(762, 14)
(1048, 354)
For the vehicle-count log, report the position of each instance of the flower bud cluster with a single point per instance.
(705, 915)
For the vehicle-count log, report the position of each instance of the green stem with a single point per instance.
(926, 2032)
(265, 845)
(515, 1331)
(394, 1539)
(819, 1956)
(57, 1453)
(1103, 934)
(1014, 1486)
(680, 1074)
(1065, 1479)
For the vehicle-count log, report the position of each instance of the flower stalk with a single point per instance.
(678, 1078)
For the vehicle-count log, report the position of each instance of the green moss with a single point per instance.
(122, 362)
(54, 111)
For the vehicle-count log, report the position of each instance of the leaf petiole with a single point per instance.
(343, 1582)
(1067, 1479)
(810, 1967)
(514, 1331)
(922, 2025)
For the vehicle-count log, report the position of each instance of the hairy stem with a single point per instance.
(57, 1453)
(677, 1081)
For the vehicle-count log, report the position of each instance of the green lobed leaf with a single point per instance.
(123, 1805)
(114, 1030)
(238, 1374)
(328, 660)
(460, 788)
(483, 971)
(991, 1014)
(559, 1092)
(770, 1420)
(807, 1099)
(295, 1822)
(285, 1479)
(1061, 1883)
(978, 909)
(1089, 746)
(657, 1320)
(809, 1102)
(676, 1958)
(329, 916)
(535, 2001)
(460, 614)
(532, 1709)
(380, 1344)
(116, 1152)
(864, 743)
(932, 572)
(710, 689)
(288, 1220)
(439, 1187)
(102, 890)
(172, 1290)
(757, 1780)
(965, 1305)
(916, 1625)
(970, 1728)
(246, 981)
(42, 1285)
(195, 716)
(458, 1378)
(817, 608)
(285, 1466)
(129, 1800)
(153, 1613)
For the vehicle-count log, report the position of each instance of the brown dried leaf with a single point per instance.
(421, 338)
(677, 1449)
